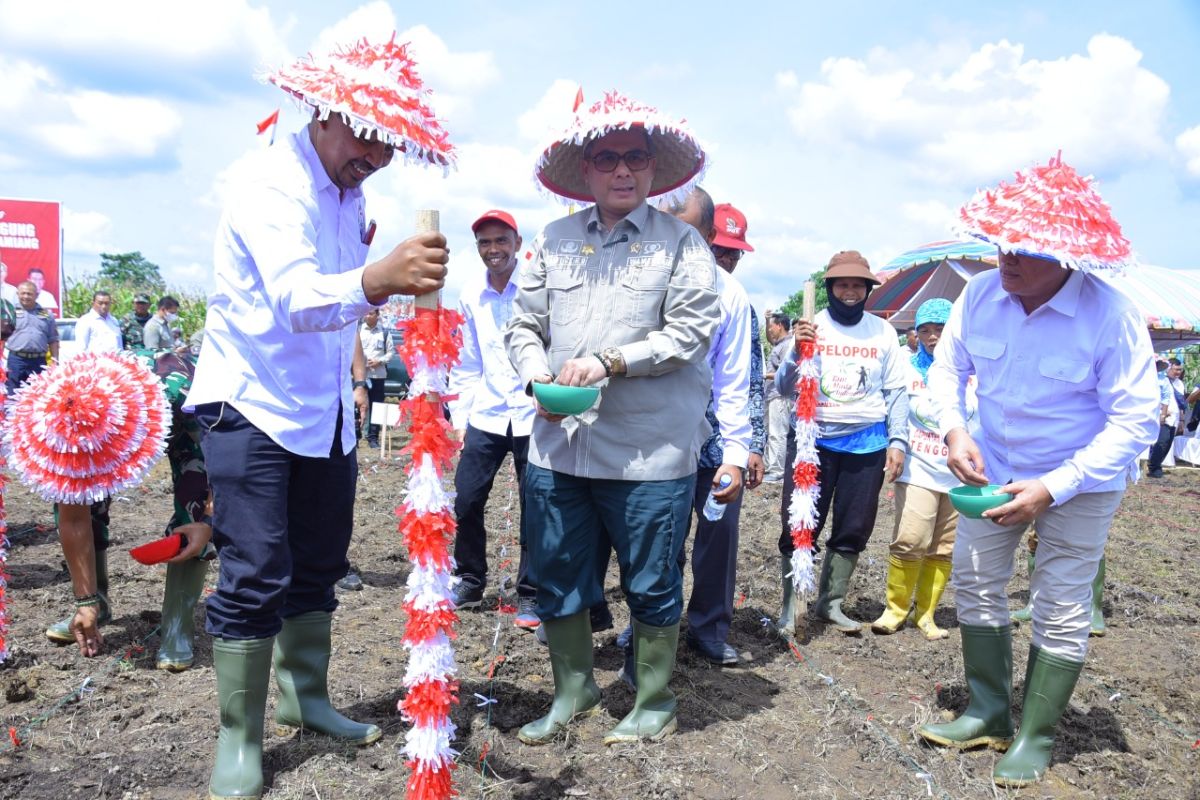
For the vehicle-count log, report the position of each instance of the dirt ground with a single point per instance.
(831, 716)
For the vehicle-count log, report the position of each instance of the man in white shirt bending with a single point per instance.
(492, 414)
(1067, 401)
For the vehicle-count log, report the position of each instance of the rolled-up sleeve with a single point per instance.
(278, 230)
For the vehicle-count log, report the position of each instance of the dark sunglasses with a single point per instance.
(607, 160)
(731, 253)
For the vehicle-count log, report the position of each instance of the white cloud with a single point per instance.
(1188, 144)
(990, 113)
(86, 233)
(929, 213)
(129, 36)
(551, 114)
(100, 126)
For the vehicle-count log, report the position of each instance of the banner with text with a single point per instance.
(30, 249)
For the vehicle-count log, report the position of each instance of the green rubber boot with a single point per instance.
(836, 570)
(1025, 614)
(1049, 683)
(60, 631)
(575, 691)
(653, 714)
(1098, 627)
(987, 658)
(243, 670)
(302, 651)
(786, 624)
(177, 629)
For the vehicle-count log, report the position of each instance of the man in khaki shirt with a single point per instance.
(625, 292)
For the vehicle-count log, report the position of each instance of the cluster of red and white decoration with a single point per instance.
(1049, 211)
(87, 427)
(431, 345)
(805, 470)
(3, 534)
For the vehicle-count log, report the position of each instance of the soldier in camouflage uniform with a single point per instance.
(134, 323)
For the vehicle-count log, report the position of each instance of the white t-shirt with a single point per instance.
(857, 363)
(927, 453)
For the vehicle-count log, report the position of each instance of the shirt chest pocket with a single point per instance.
(987, 356)
(1059, 375)
(643, 291)
(566, 296)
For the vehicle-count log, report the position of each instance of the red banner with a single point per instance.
(30, 249)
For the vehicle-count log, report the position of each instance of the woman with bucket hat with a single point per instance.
(862, 419)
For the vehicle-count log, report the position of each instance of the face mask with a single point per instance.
(171, 316)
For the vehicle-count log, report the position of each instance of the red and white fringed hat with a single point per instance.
(375, 87)
(1049, 212)
(87, 427)
(680, 160)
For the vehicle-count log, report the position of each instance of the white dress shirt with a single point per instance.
(729, 358)
(279, 334)
(490, 394)
(97, 334)
(377, 346)
(1067, 394)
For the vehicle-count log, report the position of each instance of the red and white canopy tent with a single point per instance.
(1169, 299)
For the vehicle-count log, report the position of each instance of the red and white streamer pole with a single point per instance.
(3, 533)
(430, 347)
(806, 468)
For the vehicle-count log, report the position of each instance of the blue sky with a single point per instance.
(862, 126)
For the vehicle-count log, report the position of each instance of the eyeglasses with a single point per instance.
(607, 160)
(731, 253)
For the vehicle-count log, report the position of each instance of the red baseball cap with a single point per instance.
(495, 215)
(730, 225)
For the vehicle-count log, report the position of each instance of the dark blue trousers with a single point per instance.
(20, 368)
(481, 457)
(714, 566)
(568, 519)
(281, 525)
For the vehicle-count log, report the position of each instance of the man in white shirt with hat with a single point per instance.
(1067, 401)
(272, 390)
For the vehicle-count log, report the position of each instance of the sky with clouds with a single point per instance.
(862, 126)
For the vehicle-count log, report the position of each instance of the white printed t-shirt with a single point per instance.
(925, 465)
(857, 363)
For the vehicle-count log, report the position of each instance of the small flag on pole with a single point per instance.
(269, 123)
(578, 99)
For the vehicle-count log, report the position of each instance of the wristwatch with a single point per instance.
(613, 361)
(360, 384)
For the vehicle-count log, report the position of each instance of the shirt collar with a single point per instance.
(321, 179)
(636, 218)
(1065, 301)
(486, 289)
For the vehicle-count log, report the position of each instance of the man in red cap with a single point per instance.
(491, 413)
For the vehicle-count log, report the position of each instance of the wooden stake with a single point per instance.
(810, 300)
(428, 220)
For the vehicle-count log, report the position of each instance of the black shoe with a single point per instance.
(373, 444)
(350, 583)
(467, 594)
(1154, 473)
(723, 654)
(527, 618)
(601, 617)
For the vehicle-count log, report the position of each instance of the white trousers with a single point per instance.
(779, 417)
(1071, 540)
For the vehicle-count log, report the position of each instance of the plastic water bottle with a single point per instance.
(714, 510)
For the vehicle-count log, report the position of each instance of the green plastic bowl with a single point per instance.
(972, 501)
(566, 400)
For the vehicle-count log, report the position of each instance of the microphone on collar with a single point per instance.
(624, 238)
